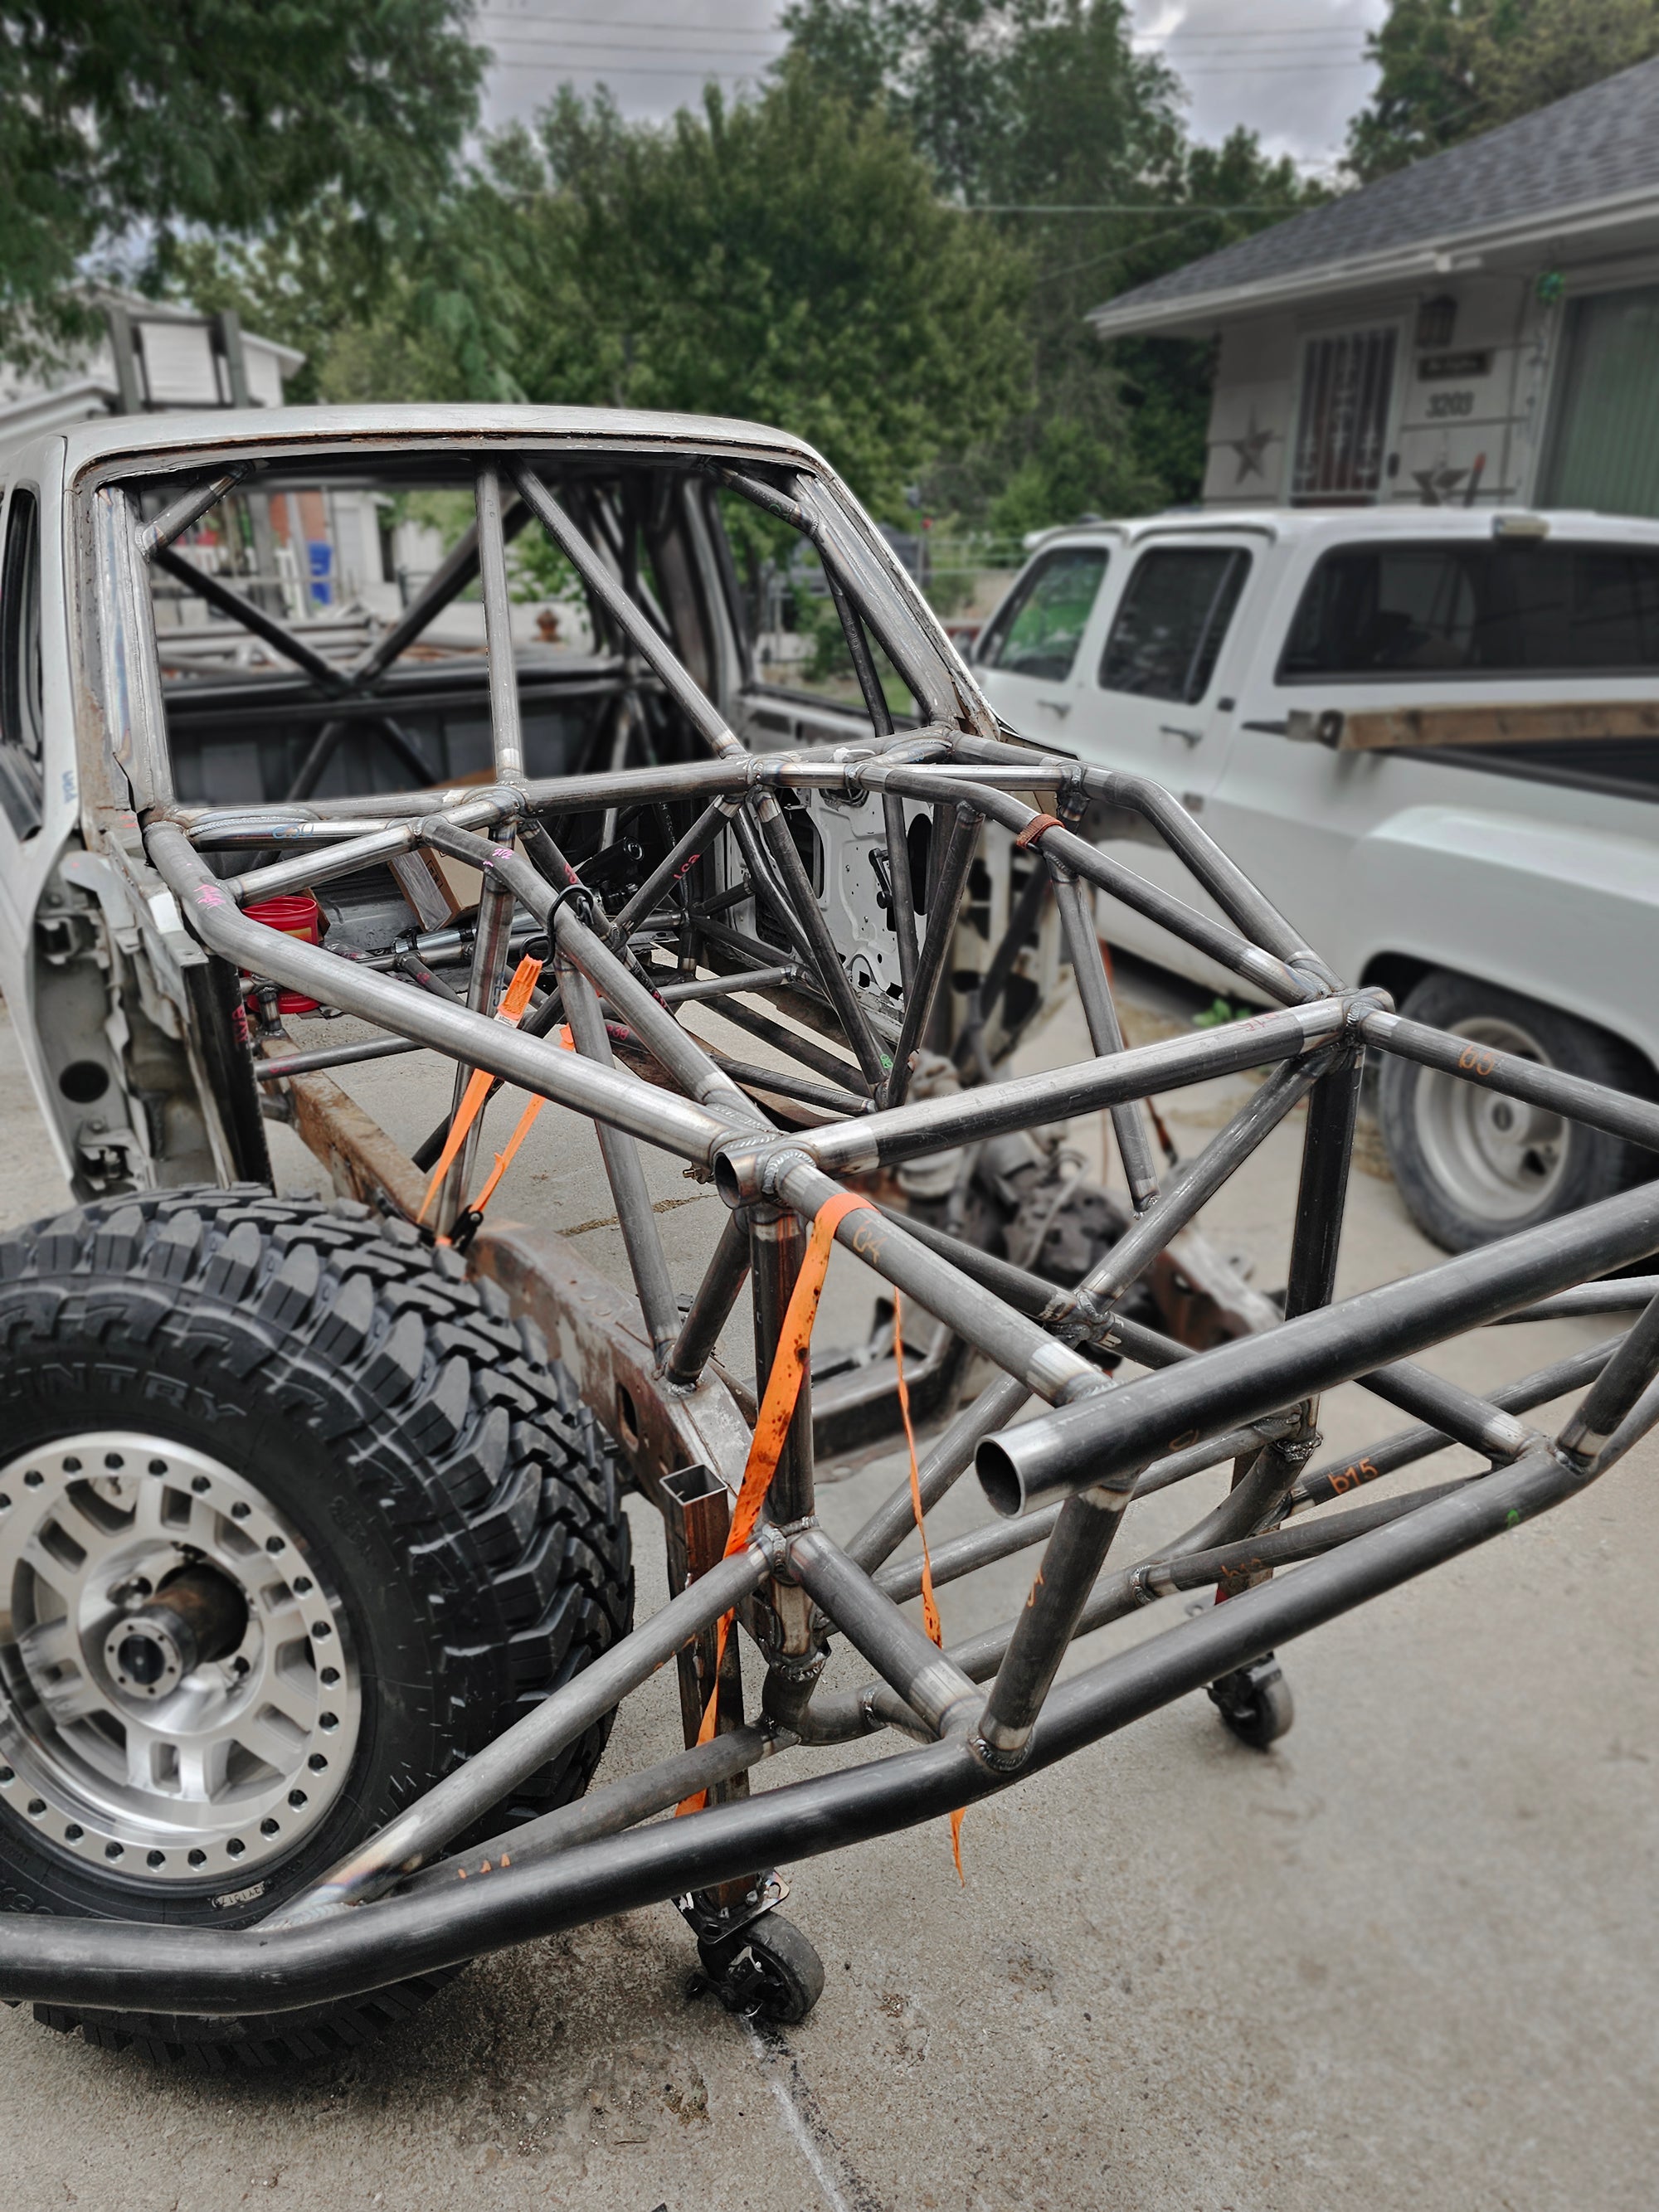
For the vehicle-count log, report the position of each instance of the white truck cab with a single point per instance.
(1504, 883)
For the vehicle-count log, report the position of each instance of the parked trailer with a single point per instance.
(317, 1603)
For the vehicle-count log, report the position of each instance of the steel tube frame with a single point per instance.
(1100, 1445)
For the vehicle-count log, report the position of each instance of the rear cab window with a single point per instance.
(1172, 621)
(1037, 631)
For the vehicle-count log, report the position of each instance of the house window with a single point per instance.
(1342, 428)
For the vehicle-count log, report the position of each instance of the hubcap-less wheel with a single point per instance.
(178, 1697)
(1496, 1158)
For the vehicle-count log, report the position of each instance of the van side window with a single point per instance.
(1038, 630)
(1168, 632)
(1460, 607)
(21, 707)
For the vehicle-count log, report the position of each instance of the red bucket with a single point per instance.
(295, 915)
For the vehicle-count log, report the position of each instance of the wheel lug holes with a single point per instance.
(198, 1483)
(268, 1827)
(112, 1851)
(197, 1858)
(301, 1585)
(236, 1847)
(322, 1631)
(274, 1544)
(158, 1467)
(33, 1478)
(114, 1460)
(317, 1762)
(296, 1798)
(238, 1665)
(156, 1858)
(330, 1721)
(6, 1776)
(240, 1509)
(329, 1677)
(37, 1806)
(74, 1832)
(70, 1467)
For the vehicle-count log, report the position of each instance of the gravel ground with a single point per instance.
(1408, 1958)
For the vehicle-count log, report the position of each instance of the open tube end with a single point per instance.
(999, 1478)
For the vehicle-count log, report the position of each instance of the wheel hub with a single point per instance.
(1499, 1158)
(179, 1696)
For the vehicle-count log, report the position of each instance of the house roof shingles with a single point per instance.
(1590, 147)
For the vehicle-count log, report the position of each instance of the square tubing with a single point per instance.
(696, 1516)
(777, 1245)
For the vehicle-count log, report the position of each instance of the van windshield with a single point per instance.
(1468, 608)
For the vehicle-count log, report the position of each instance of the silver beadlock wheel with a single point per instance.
(178, 1695)
(1497, 1159)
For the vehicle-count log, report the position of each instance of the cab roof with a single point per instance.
(1300, 524)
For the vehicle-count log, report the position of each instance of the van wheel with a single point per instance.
(1472, 1164)
(294, 1519)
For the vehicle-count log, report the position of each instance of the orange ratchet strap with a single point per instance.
(504, 1157)
(514, 1000)
(777, 1410)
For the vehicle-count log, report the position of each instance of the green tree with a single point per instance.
(124, 125)
(783, 258)
(1451, 69)
(1044, 105)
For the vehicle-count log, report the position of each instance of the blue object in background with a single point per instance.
(322, 569)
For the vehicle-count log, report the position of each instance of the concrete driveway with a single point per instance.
(1409, 1958)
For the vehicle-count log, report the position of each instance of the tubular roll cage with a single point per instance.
(987, 1711)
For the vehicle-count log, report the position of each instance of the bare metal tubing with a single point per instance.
(682, 855)
(679, 1052)
(1625, 1294)
(904, 890)
(1198, 1181)
(723, 986)
(1104, 1442)
(498, 629)
(1462, 1415)
(826, 960)
(1273, 976)
(937, 1692)
(618, 1805)
(675, 1124)
(1128, 1124)
(116, 1966)
(1572, 1096)
(1613, 1393)
(634, 625)
(469, 1791)
(1021, 1102)
(948, 1460)
(712, 1304)
(626, 1175)
(217, 593)
(190, 507)
(334, 1055)
(949, 883)
(1225, 880)
(1017, 1345)
(1071, 1561)
(301, 870)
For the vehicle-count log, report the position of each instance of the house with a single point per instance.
(1481, 327)
(149, 355)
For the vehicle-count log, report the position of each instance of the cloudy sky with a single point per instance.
(1291, 70)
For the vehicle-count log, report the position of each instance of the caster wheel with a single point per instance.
(1255, 1703)
(768, 1967)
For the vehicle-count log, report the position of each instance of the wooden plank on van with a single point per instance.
(1421, 729)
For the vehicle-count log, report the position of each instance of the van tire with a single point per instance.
(1461, 1154)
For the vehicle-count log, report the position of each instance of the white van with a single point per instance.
(1504, 886)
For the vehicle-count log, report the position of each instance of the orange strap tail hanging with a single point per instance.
(777, 1410)
(504, 1157)
(514, 1000)
(930, 1618)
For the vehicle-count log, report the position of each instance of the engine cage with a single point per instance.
(799, 1158)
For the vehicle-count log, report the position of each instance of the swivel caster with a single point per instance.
(1255, 1703)
(766, 1966)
